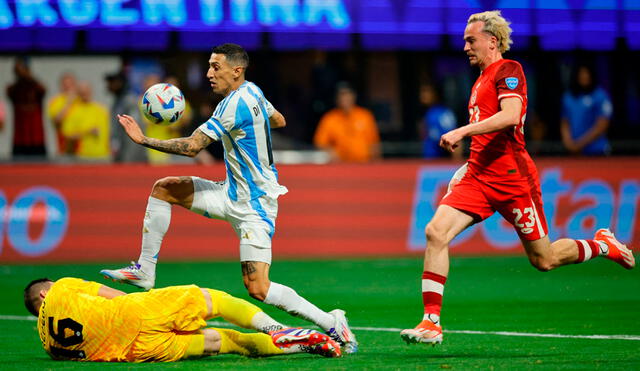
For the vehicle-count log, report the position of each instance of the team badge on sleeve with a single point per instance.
(512, 82)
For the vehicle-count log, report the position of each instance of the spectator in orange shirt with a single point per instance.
(348, 131)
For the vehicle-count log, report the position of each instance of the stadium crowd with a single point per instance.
(332, 106)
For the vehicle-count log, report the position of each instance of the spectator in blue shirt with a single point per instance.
(437, 121)
(586, 111)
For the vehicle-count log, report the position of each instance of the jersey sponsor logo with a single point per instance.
(602, 246)
(526, 230)
(512, 82)
(434, 318)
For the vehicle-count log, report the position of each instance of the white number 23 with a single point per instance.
(520, 213)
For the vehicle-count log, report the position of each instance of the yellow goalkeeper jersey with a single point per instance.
(76, 323)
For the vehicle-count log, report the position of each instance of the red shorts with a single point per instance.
(519, 201)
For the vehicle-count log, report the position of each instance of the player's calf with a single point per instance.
(546, 256)
(255, 279)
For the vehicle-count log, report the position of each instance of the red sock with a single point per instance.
(587, 249)
(432, 289)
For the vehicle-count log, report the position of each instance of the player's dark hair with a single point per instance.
(28, 295)
(236, 55)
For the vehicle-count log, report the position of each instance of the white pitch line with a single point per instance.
(17, 318)
(534, 335)
(520, 334)
(391, 329)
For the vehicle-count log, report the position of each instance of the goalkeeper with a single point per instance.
(86, 321)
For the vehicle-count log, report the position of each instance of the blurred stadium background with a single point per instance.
(65, 208)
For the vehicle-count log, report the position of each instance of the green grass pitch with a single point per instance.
(482, 294)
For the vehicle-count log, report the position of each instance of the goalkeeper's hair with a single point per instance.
(30, 292)
(236, 55)
(495, 25)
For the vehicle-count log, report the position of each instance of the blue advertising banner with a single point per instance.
(575, 204)
(144, 24)
(94, 213)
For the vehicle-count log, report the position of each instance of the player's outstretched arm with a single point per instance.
(188, 146)
(509, 115)
(131, 127)
(277, 120)
(109, 293)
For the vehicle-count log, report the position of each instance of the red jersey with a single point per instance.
(501, 154)
(26, 96)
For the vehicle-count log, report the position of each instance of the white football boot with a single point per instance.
(341, 332)
(132, 275)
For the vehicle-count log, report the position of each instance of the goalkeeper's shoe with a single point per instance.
(296, 340)
(426, 332)
(618, 252)
(133, 275)
(341, 332)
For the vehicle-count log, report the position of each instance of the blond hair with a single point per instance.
(496, 25)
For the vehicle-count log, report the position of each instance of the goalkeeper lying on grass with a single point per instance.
(87, 321)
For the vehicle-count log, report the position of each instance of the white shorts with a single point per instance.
(254, 220)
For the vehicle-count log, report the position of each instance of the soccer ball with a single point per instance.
(162, 104)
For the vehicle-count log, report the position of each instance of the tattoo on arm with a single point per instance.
(188, 146)
(248, 268)
(178, 146)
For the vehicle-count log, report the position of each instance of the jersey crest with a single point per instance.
(512, 82)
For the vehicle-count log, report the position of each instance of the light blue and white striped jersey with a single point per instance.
(241, 122)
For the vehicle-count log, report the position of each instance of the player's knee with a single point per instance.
(435, 235)
(172, 189)
(160, 188)
(543, 264)
(212, 341)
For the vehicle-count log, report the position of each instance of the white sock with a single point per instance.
(288, 300)
(264, 323)
(155, 226)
